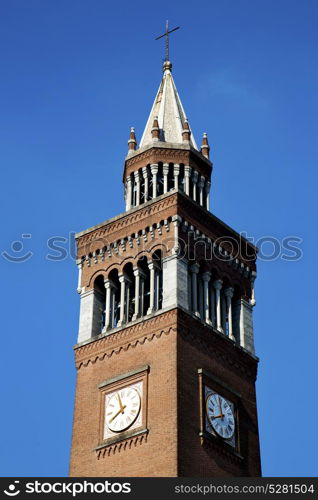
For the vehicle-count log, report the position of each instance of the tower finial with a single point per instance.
(186, 132)
(155, 131)
(166, 34)
(205, 148)
(132, 143)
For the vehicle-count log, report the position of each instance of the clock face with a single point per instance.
(122, 409)
(220, 415)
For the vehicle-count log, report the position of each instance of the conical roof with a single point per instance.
(167, 107)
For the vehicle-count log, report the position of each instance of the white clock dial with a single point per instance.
(220, 415)
(122, 409)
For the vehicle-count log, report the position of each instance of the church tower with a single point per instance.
(165, 358)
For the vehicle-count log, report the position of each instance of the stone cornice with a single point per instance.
(217, 345)
(127, 218)
(165, 148)
(126, 338)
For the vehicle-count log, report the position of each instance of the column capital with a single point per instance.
(154, 168)
(187, 171)
(229, 292)
(109, 284)
(145, 172)
(177, 219)
(165, 168)
(123, 278)
(152, 264)
(253, 276)
(137, 176)
(195, 268)
(201, 181)
(139, 272)
(206, 276)
(128, 179)
(195, 175)
(176, 169)
(207, 186)
(218, 284)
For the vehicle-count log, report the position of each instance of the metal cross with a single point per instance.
(166, 34)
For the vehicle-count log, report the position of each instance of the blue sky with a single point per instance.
(75, 76)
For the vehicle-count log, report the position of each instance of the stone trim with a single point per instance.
(123, 376)
(125, 219)
(222, 449)
(125, 338)
(119, 444)
(206, 373)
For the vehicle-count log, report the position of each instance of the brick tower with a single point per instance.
(165, 357)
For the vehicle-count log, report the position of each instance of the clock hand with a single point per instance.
(220, 406)
(116, 415)
(218, 416)
(120, 401)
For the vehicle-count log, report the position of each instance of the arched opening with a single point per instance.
(157, 260)
(225, 306)
(129, 296)
(114, 298)
(99, 305)
(181, 181)
(144, 286)
(170, 177)
(160, 181)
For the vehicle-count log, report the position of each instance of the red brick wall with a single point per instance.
(155, 456)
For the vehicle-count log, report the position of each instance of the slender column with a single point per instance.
(253, 278)
(142, 293)
(108, 286)
(213, 306)
(176, 172)
(187, 175)
(206, 278)
(229, 295)
(223, 312)
(128, 192)
(218, 285)
(157, 288)
(122, 281)
(79, 283)
(154, 171)
(195, 175)
(165, 170)
(201, 297)
(151, 267)
(201, 186)
(139, 279)
(194, 288)
(127, 299)
(146, 178)
(137, 181)
(176, 219)
(137, 293)
(207, 191)
(112, 308)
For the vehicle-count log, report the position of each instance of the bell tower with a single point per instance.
(165, 358)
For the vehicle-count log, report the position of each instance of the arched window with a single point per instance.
(157, 259)
(144, 286)
(99, 305)
(129, 297)
(114, 298)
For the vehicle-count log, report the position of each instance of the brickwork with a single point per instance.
(175, 346)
